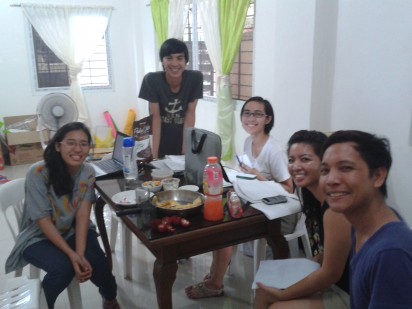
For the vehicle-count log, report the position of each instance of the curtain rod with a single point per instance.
(87, 6)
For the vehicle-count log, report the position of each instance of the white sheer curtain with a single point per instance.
(209, 17)
(71, 32)
(176, 18)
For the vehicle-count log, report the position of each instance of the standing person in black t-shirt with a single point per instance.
(172, 95)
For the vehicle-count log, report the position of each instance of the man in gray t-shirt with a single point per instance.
(172, 96)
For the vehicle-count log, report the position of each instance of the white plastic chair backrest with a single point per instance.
(12, 196)
(301, 224)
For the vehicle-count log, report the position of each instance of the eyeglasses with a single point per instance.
(74, 144)
(248, 114)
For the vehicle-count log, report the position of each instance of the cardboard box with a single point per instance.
(27, 137)
(25, 153)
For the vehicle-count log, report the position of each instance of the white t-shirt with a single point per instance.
(272, 161)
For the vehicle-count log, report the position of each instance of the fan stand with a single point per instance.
(58, 113)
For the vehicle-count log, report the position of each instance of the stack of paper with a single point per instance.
(282, 274)
(254, 190)
(175, 163)
(279, 210)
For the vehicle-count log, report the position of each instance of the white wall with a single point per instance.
(326, 65)
(373, 82)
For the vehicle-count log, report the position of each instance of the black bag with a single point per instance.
(199, 145)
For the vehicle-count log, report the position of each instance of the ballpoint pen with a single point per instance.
(238, 160)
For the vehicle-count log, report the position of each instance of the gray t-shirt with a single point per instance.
(41, 201)
(173, 106)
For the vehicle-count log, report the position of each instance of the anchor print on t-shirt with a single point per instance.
(173, 115)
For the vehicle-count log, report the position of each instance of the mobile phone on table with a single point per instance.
(272, 200)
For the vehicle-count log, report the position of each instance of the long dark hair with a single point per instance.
(59, 176)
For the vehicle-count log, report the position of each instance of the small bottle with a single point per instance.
(213, 188)
(234, 205)
(129, 159)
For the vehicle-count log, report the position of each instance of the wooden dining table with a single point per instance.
(200, 237)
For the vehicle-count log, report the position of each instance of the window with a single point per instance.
(241, 75)
(51, 72)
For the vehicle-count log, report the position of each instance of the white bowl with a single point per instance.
(160, 174)
(190, 188)
(153, 186)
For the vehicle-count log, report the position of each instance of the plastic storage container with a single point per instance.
(213, 188)
(129, 159)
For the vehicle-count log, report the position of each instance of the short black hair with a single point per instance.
(375, 151)
(313, 138)
(268, 111)
(173, 46)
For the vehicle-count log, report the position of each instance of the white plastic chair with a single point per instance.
(11, 203)
(126, 238)
(259, 245)
(20, 292)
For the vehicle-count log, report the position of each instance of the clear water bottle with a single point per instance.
(129, 159)
(213, 188)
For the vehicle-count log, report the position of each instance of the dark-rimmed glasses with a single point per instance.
(248, 114)
(73, 144)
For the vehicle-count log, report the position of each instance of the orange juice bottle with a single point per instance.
(213, 188)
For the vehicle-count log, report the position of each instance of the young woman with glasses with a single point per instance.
(56, 232)
(269, 162)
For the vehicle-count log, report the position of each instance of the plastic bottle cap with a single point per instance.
(128, 142)
(212, 160)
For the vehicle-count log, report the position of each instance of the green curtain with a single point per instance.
(232, 16)
(160, 19)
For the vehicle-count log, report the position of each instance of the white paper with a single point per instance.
(279, 210)
(174, 163)
(232, 174)
(254, 190)
(283, 273)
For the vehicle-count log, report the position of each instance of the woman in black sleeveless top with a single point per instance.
(329, 232)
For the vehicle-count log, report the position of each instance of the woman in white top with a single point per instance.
(268, 162)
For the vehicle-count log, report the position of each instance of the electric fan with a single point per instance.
(55, 110)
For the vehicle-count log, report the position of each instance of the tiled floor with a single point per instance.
(140, 291)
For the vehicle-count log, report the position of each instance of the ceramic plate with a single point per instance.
(126, 198)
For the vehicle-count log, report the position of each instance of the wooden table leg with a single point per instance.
(164, 277)
(277, 241)
(98, 212)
